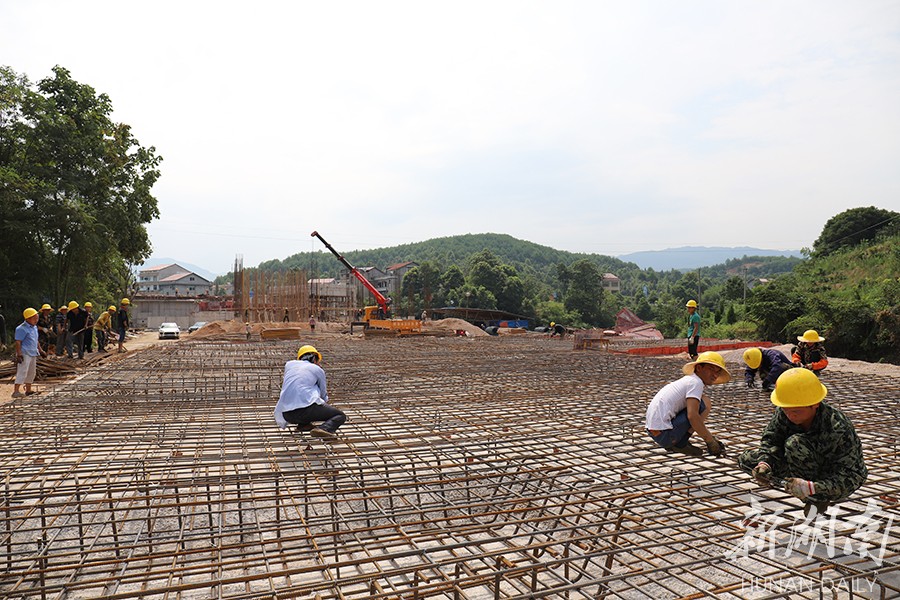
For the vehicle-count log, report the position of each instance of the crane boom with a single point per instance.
(379, 297)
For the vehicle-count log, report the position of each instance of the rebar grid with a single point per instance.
(469, 468)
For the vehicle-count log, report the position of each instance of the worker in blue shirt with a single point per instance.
(27, 351)
(304, 397)
(768, 364)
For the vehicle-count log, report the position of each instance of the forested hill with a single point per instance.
(527, 257)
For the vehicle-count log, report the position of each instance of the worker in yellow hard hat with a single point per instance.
(103, 328)
(809, 352)
(27, 352)
(809, 447)
(77, 324)
(681, 407)
(89, 327)
(693, 330)
(557, 329)
(60, 328)
(45, 327)
(304, 397)
(767, 363)
(123, 323)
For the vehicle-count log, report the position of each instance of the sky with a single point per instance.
(603, 127)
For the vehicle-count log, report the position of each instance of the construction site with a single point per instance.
(471, 467)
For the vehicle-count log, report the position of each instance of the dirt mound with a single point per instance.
(453, 325)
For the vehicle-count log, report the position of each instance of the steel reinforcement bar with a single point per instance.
(469, 468)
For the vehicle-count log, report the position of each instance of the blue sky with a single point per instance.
(587, 126)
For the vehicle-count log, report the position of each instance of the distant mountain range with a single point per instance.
(155, 261)
(521, 253)
(692, 257)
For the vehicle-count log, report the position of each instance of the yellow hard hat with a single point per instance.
(753, 357)
(126, 301)
(810, 336)
(112, 308)
(29, 312)
(306, 350)
(46, 307)
(691, 304)
(709, 358)
(73, 305)
(88, 305)
(798, 387)
(552, 323)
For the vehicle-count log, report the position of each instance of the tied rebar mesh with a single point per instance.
(469, 468)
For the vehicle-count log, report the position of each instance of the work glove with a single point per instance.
(761, 473)
(751, 383)
(799, 488)
(715, 447)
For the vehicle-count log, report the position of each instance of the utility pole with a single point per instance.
(698, 285)
(744, 269)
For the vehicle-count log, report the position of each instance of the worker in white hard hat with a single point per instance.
(680, 409)
(693, 330)
(809, 447)
(304, 397)
(768, 363)
(810, 351)
(27, 352)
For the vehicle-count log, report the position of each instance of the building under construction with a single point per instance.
(470, 468)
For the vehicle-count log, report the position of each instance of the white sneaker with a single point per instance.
(18, 395)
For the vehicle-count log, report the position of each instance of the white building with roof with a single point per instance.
(172, 280)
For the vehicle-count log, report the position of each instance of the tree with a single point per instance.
(854, 226)
(776, 304)
(78, 180)
(451, 279)
(585, 295)
(501, 280)
(734, 288)
(473, 296)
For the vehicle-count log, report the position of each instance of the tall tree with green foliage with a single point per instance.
(854, 226)
(585, 293)
(77, 185)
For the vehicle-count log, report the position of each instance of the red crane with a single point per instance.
(383, 303)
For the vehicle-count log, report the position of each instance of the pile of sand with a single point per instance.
(450, 326)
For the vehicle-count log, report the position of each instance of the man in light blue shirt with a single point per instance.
(304, 397)
(27, 351)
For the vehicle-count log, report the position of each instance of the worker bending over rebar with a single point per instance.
(681, 408)
(304, 397)
(809, 447)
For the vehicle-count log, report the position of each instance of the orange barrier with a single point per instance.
(705, 345)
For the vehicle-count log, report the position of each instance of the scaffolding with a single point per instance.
(469, 468)
(267, 297)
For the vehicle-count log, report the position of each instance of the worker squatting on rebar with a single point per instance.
(768, 363)
(809, 352)
(304, 397)
(681, 408)
(809, 447)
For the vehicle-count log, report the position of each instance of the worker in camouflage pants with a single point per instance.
(808, 444)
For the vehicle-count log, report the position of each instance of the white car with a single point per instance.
(169, 330)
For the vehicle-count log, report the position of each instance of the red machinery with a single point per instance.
(383, 309)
